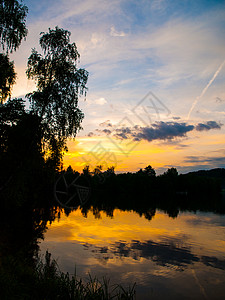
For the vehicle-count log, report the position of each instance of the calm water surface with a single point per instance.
(180, 258)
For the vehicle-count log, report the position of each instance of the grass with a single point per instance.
(45, 281)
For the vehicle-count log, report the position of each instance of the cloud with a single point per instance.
(206, 88)
(219, 100)
(114, 32)
(208, 126)
(123, 133)
(214, 160)
(100, 101)
(122, 70)
(106, 131)
(167, 131)
(106, 124)
(158, 131)
(90, 134)
(204, 162)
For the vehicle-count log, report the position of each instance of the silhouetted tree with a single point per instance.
(7, 77)
(149, 171)
(140, 172)
(172, 172)
(98, 170)
(110, 171)
(86, 171)
(10, 113)
(69, 170)
(12, 31)
(59, 84)
(12, 24)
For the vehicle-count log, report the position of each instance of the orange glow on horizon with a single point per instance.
(94, 151)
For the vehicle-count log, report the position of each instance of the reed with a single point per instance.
(45, 281)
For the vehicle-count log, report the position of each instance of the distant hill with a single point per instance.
(218, 173)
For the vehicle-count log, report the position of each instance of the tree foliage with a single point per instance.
(7, 77)
(10, 114)
(172, 172)
(12, 24)
(59, 83)
(34, 139)
(149, 171)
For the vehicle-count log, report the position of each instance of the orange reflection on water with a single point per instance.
(172, 257)
(128, 226)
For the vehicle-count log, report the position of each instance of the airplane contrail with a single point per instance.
(205, 89)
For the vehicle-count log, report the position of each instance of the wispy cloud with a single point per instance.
(213, 161)
(107, 123)
(114, 32)
(206, 88)
(100, 101)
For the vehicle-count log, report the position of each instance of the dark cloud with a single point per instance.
(201, 159)
(208, 126)
(195, 159)
(123, 133)
(103, 131)
(106, 124)
(163, 131)
(106, 131)
(90, 134)
(202, 163)
(219, 100)
(158, 131)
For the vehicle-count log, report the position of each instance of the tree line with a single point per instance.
(144, 192)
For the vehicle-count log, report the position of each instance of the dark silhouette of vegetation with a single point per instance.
(59, 83)
(218, 174)
(33, 141)
(12, 31)
(12, 24)
(7, 77)
(145, 194)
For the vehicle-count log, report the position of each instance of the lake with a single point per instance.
(168, 257)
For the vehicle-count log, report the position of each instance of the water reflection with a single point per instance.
(172, 258)
(170, 252)
(161, 253)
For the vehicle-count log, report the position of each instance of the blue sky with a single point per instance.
(174, 49)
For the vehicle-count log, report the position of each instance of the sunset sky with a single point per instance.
(156, 88)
